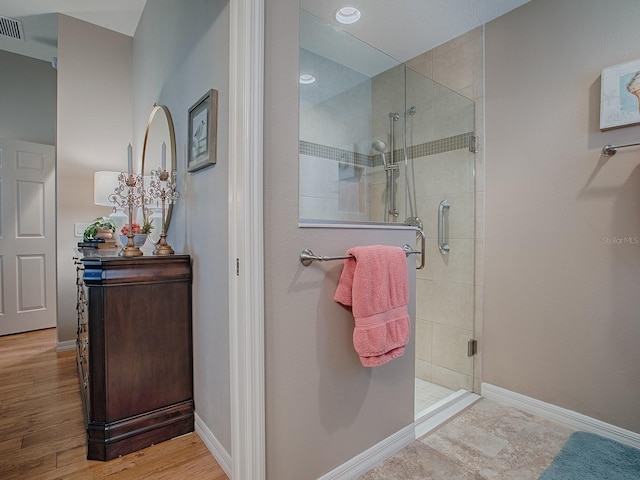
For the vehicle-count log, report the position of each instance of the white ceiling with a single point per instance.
(404, 29)
(400, 28)
(40, 22)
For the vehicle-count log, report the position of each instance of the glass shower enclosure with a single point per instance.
(380, 143)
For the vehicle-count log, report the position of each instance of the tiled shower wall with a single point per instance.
(334, 156)
(450, 293)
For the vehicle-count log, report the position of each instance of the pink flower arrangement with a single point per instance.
(135, 228)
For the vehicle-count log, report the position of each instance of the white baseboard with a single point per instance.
(65, 346)
(561, 415)
(213, 444)
(442, 411)
(368, 459)
(428, 421)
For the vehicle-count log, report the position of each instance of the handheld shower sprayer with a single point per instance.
(380, 146)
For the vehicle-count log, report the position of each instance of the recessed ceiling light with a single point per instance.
(348, 15)
(307, 78)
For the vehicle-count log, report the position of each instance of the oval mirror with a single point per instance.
(159, 131)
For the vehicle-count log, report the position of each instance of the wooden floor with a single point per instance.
(42, 432)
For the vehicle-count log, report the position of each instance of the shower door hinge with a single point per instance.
(472, 347)
(473, 144)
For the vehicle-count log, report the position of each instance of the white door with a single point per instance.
(27, 236)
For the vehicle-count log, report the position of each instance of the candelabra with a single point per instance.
(130, 194)
(163, 186)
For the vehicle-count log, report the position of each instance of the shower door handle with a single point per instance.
(442, 245)
(423, 252)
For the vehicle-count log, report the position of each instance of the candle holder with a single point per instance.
(130, 194)
(163, 186)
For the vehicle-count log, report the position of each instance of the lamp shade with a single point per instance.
(104, 184)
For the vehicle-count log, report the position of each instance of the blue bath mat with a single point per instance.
(586, 456)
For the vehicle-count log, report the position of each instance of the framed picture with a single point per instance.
(620, 95)
(202, 131)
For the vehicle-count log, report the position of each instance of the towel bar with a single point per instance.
(610, 150)
(307, 256)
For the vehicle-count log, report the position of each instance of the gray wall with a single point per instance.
(180, 50)
(562, 295)
(322, 406)
(28, 101)
(94, 128)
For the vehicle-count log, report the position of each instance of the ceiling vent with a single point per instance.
(12, 28)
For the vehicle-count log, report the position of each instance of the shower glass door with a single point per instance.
(438, 133)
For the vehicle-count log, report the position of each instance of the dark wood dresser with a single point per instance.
(134, 351)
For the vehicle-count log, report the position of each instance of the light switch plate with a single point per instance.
(79, 228)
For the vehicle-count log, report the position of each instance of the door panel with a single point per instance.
(30, 209)
(27, 236)
(31, 289)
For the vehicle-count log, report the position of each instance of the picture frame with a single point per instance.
(620, 95)
(202, 132)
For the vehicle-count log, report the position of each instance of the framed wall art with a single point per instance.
(202, 132)
(620, 95)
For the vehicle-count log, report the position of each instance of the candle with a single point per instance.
(164, 156)
(129, 160)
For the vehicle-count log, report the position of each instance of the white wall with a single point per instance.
(180, 50)
(562, 297)
(94, 128)
(28, 101)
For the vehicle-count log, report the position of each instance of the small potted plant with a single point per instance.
(147, 226)
(101, 227)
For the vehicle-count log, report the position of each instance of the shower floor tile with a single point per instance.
(427, 393)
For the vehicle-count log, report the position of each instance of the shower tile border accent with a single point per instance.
(433, 147)
(334, 153)
(442, 145)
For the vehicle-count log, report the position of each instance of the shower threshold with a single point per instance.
(440, 412)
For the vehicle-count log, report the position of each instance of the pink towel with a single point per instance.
(375, 284)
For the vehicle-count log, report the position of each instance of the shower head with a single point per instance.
(379, 146)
